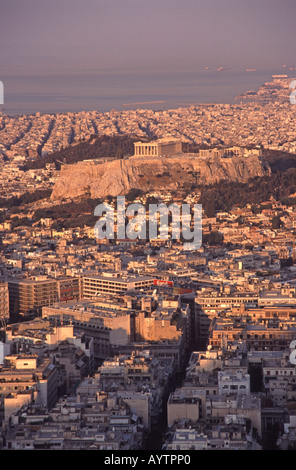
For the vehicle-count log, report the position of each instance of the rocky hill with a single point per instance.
(96, 179)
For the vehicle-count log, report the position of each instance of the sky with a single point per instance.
(103, 37)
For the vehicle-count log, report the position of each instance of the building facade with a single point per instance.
(4, 301)
(157, 148)
(113, 284)
(28, 296)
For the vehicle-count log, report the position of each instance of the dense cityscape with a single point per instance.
(130, 344)
(147, 231)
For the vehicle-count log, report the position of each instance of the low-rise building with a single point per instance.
(26, 377)
(235, 433)
(230, 383)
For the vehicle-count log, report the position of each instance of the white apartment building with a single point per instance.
(4, 301)
(233, 383)
(113, 283)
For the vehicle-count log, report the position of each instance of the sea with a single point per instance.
(129, 90)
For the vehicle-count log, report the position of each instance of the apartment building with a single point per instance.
(272, 336)
(168, 324)
(72, 353)
(217, 301)
(105, 424)
(245, 405)
(28, 296)
(287, 435)
(113, 283)
(68, 288)
(26, 377)
(141, 380)
(226, 436)
(4, 302)
(183, 404)
(115, 317)
(279, 381)
(230, 383)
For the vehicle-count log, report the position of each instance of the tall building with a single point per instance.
(28, 296)
(68, 288)
(4, 301)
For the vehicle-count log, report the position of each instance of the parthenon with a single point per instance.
(157, 148)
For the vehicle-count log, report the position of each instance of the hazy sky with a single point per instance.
(61, 36)
(136, 49)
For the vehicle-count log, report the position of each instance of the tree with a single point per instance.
(276, 222)
(213, 238)
(133, 194)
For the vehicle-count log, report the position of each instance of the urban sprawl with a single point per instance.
(139, 344)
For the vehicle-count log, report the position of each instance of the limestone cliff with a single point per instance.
(96, 179)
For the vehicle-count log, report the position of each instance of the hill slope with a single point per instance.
(96, 179)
